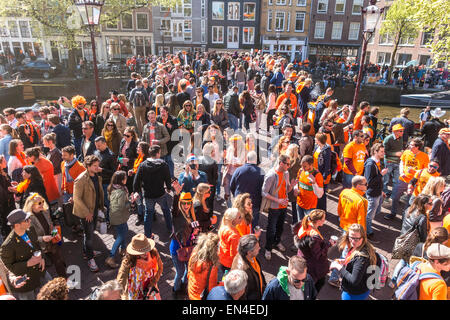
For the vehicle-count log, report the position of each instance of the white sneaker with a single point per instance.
(281, 247)
(92, 265)
(268, 255)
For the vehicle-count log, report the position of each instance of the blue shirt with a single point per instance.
(189, 183)
(4, 146)
(26, 238)
(219, 293)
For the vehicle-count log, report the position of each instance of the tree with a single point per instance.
(60, 18)
(400, 24)
(434, 15)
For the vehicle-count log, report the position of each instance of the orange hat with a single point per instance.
(293, 74)
(185, 196)
(397, 127)
(444, 131)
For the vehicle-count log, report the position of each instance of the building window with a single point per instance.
(203, 8)
(301, 3)
(166, 27)
(233, 10)
(384, 58)
(233, 35)
(336, 33)
(299, 21)
(217, 34)
(35, 29)
(112, 25)
(142, 21)
(218, 11)
(353, 33)
(127, 21)
(357, 6)
(281, 2)
(164, 8)
(269, 20)
(407, 41)
(279, 21)
(404, 58)
(203, 26)
(187, 8)
(177, 30)
(385, 39)
(319, 31)
(340, 6)
(249, 11)
(424, 59)
(24, 29)
(113, 47)
(270, 2)
(13, 29)
(249, 35)
(187, 31)
(427, 38)
(322, 6)
(288, 24)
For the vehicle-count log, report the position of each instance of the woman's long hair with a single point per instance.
(433, 185)
(365, 249)
(201, 189)
(419, 204)
(239, 203)
(117, 179)
(205, 250)
(437, 235)
(36, 176)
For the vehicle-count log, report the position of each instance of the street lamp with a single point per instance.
(90, 11)
(277, 35)
(163, 30)
(370, 15)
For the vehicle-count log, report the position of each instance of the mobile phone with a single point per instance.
(195, 224)
(21, 280)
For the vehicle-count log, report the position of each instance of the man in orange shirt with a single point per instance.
(309, 187)
(411, 161)
(364, 107)
(421, 178)
(275, 188)
(435, 288)
(354, 155)
(288, 87)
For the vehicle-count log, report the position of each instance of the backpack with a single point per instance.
(384, 266)
(408, 282)
(139, 99)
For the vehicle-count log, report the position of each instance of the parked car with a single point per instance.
(40, 68)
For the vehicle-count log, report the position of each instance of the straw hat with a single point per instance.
(437, 113)
(140, 244)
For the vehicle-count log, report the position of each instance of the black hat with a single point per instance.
(17, 216)
(114, 92)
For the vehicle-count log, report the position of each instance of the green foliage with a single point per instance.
(400, 21)
(435, 15)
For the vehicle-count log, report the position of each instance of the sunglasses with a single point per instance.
(434, 167)
(127, 135)
(218, 102)
(115, 109)
(40, 203)
(85, 128)
(355, 239)
(189, 105)
(110, 125)
(185, 203)
(297, 281)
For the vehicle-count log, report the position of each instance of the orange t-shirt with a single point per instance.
(244, 228)
(411, 163)
(306, 198)
(422, 177)
(282, 192)
(369, 131)
(356, 152)
(357, 121)
(446, 225)
(431, 289)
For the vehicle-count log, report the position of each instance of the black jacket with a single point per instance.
(90, 150)
(75, 123)
(374, 178)
(430, 131)
(410, 219)
(107, 163)
(205, 103)
(174, 125)
(131, 154)
(62, 136)
(151, 175)
(231, 104)
(182, 97)
(209, 166)
(355, 275)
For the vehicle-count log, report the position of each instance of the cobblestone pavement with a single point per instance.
(385, 232)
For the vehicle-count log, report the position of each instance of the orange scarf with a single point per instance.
(255, 265)
(137, 162)
(21, 157)
(23, 186)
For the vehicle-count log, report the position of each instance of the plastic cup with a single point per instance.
(37, 253)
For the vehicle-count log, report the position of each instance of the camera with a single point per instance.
(193, 166)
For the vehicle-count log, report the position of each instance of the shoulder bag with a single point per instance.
(406, 243)
(266, 203)
(205, 291)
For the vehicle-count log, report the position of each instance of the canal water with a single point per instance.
(394, 111)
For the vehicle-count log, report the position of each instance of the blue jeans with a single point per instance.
(275, 225)
(180, 272)
(150, 212)
(255, 220)
(233, 121)
(373, 209)
(301, 213)
(219, 178)
(402, 263)
(401, 187)
(168, 159)
(77, 145)
(347, 180)
(106, 199)
(121, 231)
(394, 172)
(348, 296)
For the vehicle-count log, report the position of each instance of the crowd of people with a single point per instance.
(189, 129)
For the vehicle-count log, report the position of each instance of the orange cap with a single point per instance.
(397, 127)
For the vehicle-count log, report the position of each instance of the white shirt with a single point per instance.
(13, 164)
(13, 124)
(212, 99)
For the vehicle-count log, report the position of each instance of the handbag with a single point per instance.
(183, 253)
(205, 291)
(406, 243)
(67, 212)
